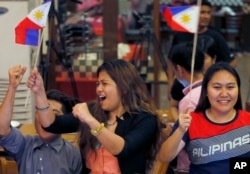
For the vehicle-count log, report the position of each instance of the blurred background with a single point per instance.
(81, 34)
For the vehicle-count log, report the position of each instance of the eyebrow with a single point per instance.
(218, 83)
(56, 111)
(101, 80)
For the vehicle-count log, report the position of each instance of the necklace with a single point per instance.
(113, 123)
(110, 124)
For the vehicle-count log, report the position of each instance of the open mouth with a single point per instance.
(101, 98)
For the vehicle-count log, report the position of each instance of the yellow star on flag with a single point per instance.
(185, 18)
(38, 15)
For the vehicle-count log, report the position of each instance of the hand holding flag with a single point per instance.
(27, 31)
(182, 18)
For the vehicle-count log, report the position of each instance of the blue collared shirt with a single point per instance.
(33, 156)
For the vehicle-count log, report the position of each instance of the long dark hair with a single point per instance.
(203, 101)
(134, 95)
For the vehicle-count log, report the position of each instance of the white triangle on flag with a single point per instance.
(188, 18)
(39, 14)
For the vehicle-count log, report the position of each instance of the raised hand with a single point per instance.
(185, 120)
(16, 75)
(35, 81)
(6, 108)
(81, 111)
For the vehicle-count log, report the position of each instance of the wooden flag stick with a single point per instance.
(35, 64)
(194, 54)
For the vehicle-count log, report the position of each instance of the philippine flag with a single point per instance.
(27, 31)
(182, 18)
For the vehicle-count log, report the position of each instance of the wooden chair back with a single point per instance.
(159, 167)
(8, 166)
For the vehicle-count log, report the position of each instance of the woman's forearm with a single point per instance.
(171, 147)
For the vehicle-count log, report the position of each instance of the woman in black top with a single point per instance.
(122, 122)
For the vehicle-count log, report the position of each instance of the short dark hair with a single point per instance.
(204, 103)
(181, 54)
(203, 2)
(66, 101)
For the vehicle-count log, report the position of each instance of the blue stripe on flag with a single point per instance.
(32, 37)
(178, 9)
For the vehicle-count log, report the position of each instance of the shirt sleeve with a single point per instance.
(143, 130)
(13, 143)
(223, 51)
(64, 124)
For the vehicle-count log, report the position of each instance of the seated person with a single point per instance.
(46, 152)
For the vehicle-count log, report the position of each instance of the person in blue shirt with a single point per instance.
(45, 153)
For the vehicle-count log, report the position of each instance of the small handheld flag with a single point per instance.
(27, 31)
(182, 18)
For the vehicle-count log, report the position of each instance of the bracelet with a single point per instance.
(42, 109)
(97, 131)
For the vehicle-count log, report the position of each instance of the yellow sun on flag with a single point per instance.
(38, 15)
(185, 18)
